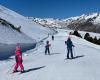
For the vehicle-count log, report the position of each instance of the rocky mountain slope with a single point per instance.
(90, 22)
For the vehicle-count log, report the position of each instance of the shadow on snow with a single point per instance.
(33, 69)
(79, 56)
(54, 53)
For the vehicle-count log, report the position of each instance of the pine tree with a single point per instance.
(95, 40)
(77, 34)
(86, 36)
(98, 41)
(90, 39)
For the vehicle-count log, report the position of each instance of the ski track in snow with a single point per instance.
(54, 66)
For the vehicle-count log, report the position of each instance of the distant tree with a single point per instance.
(77, 34)
(90, 39)
(99, 41)
(86, 36)
(95, 40)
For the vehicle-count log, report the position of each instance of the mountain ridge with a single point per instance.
(89, 22)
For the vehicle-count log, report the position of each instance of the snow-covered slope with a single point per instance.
(8, 39)
(10, 36)
(28, 27)
(85, 66)
(15, 28)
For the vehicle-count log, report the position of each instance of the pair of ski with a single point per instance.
(69, 58)
(18, 72)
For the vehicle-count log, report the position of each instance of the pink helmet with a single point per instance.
(17, 48)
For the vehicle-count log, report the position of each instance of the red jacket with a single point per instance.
(18, 54)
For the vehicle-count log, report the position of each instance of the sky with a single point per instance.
(52, 8)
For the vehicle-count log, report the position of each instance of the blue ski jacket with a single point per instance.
(69, 44)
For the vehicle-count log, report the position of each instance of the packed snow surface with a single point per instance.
(55, 66)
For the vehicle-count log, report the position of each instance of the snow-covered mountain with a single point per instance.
(90, 22)
(15, 28)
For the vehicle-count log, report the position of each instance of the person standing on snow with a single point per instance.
(69, 47)
(52, 37)
(19, 60)
(47, 48)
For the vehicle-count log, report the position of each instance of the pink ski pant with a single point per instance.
(17, 65)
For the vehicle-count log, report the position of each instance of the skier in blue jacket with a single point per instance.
(69, 47)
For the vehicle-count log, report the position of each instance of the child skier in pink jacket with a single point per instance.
(19, 60)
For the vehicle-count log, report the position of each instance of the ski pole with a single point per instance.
(74, 52)
(52, 48)
(11, 68)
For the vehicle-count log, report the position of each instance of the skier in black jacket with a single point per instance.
(52, 37)
(69, 47)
